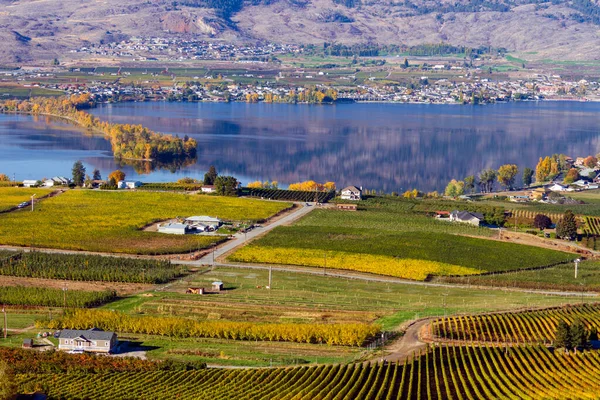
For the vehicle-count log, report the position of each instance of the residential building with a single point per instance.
(466, 217)
(91, 340)
(208, 189)
(351, 193)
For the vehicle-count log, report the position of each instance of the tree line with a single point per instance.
(127, 141)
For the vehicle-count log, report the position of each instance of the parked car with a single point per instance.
(23, 204)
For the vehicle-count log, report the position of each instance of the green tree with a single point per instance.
(406, 63)
(527, 176)
(579, 335)
(566, 227)
(563, 336)
(78, 173)
(487, 177)
(226, 186)
(96, 175)
(470, 183)
(211, 176)
(507, 174)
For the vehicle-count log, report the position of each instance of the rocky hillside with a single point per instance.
(561, 30)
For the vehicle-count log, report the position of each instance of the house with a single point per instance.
(557, 187)
(30, 183)
(347, 207)
(351, 193)
(48, 183)
(519, 198)
(61, 180)
(174, 228)
(129, 184)
(217, 286)
(91, 340)
(539, 193)
(208, 189)
(466, 217)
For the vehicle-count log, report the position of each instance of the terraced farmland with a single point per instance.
(518, 327)
(442, 373)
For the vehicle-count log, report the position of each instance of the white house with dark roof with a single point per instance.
(91, 340)
(351, 193)
(467, 217)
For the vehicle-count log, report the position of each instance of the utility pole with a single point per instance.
(32, 198)
(325, 264)
(5, 323)
(270, 276)
(576, 266)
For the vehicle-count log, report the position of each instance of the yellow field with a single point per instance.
(375, 264)
(112, 221)
(12, 196)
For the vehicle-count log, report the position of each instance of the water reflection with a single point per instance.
(381, 146)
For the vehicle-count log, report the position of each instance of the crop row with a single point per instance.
(591, 226)
(49, 297)
(371, 263)
(332, 334)
(441, 373)
(289, 195)
(89, 268)
(516, 327)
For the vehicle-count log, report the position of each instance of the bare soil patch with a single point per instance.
(122, 289)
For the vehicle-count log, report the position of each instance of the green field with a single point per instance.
(11, 197)
(112, 221)
(383, 234)
(560, 277)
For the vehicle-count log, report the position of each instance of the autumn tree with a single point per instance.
(455, 188)
(590, 162)
(116, 176)
(542, 222)
(4, 178)
(78, 173)
(571, 176)
(527, 176)
(210, 176)
(470, 183)
(566, 227)
(507, 174)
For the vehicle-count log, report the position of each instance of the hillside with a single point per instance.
(558, 30)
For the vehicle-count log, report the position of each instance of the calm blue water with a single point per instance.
(392, 147)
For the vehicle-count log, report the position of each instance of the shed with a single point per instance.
(217, 286)
(347, 207)
(27, 343)
(174, 228)
(30, 183)
(192, 290)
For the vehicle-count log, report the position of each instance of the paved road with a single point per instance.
(241, 239)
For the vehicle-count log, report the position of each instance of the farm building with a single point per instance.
(466, 217)
(208, 189)
(204, 223)
(27, 343)
(129, 184)
(347, 207)
(351, 193)
(30, 183)
(217, 286)
(92, 340)
(173, 228)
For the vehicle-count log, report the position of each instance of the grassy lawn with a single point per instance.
(111, 221)
(390, 239)
(303, 298)
(561, 277)
(11, 196)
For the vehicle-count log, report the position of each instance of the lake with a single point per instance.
(392, 147)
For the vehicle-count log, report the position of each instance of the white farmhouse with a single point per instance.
(351, 193)
(92, 340)
(466, 217)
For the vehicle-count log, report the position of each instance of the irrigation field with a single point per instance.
(442, 373)
(518, 327)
